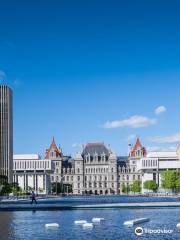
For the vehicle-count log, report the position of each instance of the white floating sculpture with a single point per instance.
(80, 222)
(136, 221)
(51, 225)
(88, 225)
(97, 220)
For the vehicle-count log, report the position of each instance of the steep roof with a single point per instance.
(136, 147)
(95, 148)
(53, 147)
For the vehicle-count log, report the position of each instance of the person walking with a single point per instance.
(33, 197)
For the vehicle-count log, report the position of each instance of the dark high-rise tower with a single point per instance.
(6, 134)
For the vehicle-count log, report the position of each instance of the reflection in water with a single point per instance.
(6, 228)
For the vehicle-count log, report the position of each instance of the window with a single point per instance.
(78, 178)
(67, 178)
(112, 178)
(95, 157)
(127, 177)
(134, 177)
(139, 177)
(71, 178)
(112, 170)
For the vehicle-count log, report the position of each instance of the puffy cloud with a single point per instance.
(77, 145)
(161, 149)
(175, 138)
(132, 122)
(160, 109)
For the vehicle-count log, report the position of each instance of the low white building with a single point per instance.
(32, 173)
(155, 163)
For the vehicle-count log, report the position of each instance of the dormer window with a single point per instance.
(53, 154)
(87, 157)
(138, 153)
(103, 157)
(95, 157)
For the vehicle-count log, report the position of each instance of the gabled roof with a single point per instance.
(53, 147)
(136, 147)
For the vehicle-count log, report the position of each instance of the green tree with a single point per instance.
(6, 188)
(136, 187)
(178, 183)
(169, 180)
(150, 185)
(125, 188)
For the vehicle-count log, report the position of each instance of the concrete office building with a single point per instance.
(6, 134)
(155, 163)
(32, 173)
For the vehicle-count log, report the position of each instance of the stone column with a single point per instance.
(34, 181)
(24, 182)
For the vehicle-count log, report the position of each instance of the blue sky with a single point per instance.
(86, 71)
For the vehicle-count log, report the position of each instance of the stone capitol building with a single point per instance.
(94, 171)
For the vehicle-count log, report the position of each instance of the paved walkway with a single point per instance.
(44, 207)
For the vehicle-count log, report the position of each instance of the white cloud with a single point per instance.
(161, 149)
(77, 145)
(160, 110)
(2, 75)
(132, 122)
(175, 138)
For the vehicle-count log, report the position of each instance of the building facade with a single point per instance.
(32, 173)
(94, 171)
(152, 166)
(6, 133)
(128, 171)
